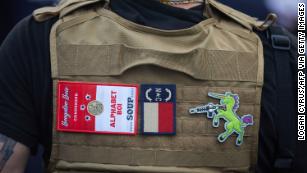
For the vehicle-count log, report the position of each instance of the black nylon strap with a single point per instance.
(279, 40)
(285, 118)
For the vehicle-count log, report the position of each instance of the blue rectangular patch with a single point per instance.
(158, 109)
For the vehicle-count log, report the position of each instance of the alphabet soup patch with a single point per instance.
(158, 103)
(97, 107)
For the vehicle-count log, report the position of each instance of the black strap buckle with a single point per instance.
(281, 42)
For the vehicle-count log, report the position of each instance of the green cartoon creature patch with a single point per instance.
(229, 104)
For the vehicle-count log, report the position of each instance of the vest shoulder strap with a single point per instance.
(284, 51)
(62, 9)
(239, 17)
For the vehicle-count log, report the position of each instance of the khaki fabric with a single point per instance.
(217, 55)
(243, 19)
(63, 8)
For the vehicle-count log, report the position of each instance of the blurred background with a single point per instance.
(286, 10)
(11, 11)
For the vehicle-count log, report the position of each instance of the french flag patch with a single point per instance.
(158, 103)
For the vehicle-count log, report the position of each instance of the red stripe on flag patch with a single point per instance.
(166, 118)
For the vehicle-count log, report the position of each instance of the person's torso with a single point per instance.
(202, 62)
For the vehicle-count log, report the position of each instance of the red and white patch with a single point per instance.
(97, 108)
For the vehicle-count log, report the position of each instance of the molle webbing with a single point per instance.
(98, 45)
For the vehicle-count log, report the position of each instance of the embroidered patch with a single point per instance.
(158, 109)
(97, 108)
(229, 104)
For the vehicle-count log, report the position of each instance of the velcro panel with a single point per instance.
(114, 60)
(195, 133)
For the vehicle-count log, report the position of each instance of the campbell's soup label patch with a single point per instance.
(97, 107)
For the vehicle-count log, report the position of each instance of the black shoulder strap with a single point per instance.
(285, 113)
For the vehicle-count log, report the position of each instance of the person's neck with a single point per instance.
(185, 4)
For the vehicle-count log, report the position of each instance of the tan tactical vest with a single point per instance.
(91, 43)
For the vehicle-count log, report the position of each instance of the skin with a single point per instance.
(13, 155)
(186, 6)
